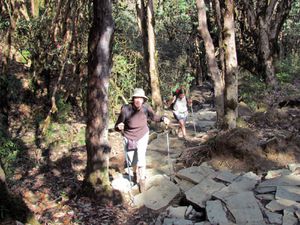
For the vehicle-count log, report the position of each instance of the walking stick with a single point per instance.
(128, 170)
(194, 120)
(127, 162)
(169, 159)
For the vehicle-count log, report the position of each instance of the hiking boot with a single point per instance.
(142, 185)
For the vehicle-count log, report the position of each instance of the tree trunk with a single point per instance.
(231, 79)
(218, 16)
(99, 69)
(153, 71)
(199, 66)
(14, 206)
(35, 7)
(266, 55)
(142, 24)
(212, 62)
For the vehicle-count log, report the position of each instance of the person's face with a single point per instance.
(181, 96)
(138, 102)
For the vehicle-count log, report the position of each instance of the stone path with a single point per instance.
(200, 195)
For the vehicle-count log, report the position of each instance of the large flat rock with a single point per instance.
(287, 180)
(280, 204)
(203, 191)
(245, 209)
(159, 195)
(196, 173)
(288, 192)
(216, 213)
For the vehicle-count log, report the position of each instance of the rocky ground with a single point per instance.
(49, 181)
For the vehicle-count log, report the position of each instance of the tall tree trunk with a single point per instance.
(212, 62)
(231, 79)
(266, 56)
(142, 24)
(6, 58)
(218, 15)
(199, 66)
(35, 8)
(153, 71)
(99, 69)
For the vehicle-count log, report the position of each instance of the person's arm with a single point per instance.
(119, 126)
(155, 117)
(174, 98)
(190, 102)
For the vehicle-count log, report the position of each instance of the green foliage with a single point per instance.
(80, 137)
(240, 122)
(64, 110)
(65, 134)
(288, 68)
(4, 23)
(124, 72)
(251, 89)
(8, 153)
(185, 81)
(25, 56)
(291, 30)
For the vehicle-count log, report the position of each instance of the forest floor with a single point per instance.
(49, 178)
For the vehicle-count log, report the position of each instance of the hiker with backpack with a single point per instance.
(180, 105)
(132, 122)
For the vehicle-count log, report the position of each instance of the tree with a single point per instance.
(145, 15)
(13, 206)
(153, 71)
(99, 69)
(231, 78)
(260, 23)
(142, 24)
(212, 62)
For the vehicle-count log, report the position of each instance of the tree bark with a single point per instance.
(99, 69)
(231, 79)
(142, 24)
(218, 16)
(35, 8)
(153, 71)
(212, 62)
(266, 55)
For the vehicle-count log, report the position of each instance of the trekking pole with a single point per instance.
(126, 158)
(169, 159)
(128, 170)
(194, 120)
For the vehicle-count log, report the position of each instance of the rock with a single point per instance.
(288, 192)
(177, 212)
(289, 218)
(277, 205)
(273, 218)
(160, 193)
(226, 176)
(244, 208)
(121, 184)
(174, 221)
(203, 191)
(196, 173)
(215, 212)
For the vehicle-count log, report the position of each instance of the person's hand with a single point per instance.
(166, 121)
(190, 102)
(120, 126)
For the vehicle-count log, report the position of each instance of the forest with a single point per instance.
(67, 67)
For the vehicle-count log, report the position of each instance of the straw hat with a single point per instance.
(139, 92)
